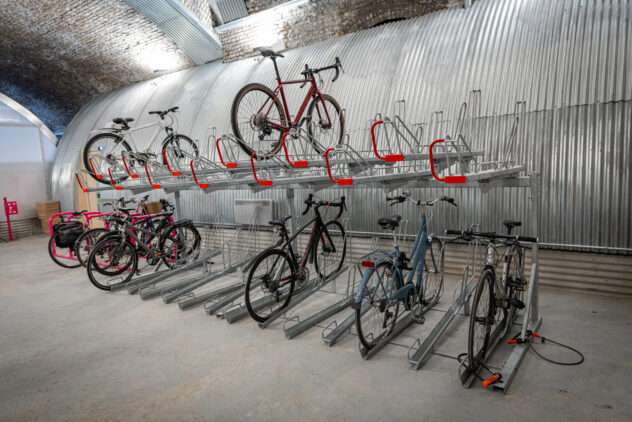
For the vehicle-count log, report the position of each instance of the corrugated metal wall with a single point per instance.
(568, 59)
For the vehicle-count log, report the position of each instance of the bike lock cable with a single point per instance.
(531, 334)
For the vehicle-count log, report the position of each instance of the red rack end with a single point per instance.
(302, 163)
(230, 165)
(94, 171)
(117, 187)
(201, 185)
(344, 182)
(155, 186)
(133, 176)
(254, 172)
(81, 184)
(164, 154)
(391, 158)
(455, 179)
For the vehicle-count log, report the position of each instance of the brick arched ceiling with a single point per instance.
(56, 55)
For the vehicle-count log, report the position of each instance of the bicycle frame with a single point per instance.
(298, 120)
(127, 135)
(418, 255)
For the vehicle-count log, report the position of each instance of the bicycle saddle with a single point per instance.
(389, 223)
(77, 213)
(269, 53)
(280, 222)
(510, 224)
(122, 120)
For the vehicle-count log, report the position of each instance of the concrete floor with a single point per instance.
(71, 352)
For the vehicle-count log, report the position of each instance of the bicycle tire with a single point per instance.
(90, 238)
(92, 265)
(314, 105)
(251, 299)
(336, 231)
(245, 144)
(181, 257)
(86, 156)
(433, 272)
(171, 143)
(57, 260)
(483, 309)
(365, 333)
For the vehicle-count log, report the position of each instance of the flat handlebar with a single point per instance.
(471, 233)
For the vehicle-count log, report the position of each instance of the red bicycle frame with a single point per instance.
(312, 93)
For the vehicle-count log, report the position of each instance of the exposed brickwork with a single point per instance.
(255, 6)
(319, 20)
(66, 52)
(202, 10)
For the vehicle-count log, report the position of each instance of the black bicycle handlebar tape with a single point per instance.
(308, 203)
(337, 74)
(454, 232)
(341, 206)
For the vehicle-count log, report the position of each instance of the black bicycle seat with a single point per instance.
(122, 120)
(280, 222)
(510, 224)
(77, 213)
(390, 223)
(269, 53)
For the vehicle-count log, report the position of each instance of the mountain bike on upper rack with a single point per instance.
(382, 289)
(108, 149)
(276, 270)
(498, 297)
(260, 116)
(114, 259)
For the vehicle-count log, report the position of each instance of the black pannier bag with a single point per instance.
(67, 233)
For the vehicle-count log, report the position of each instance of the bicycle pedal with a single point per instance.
(517, 303)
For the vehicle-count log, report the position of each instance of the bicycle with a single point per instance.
(103, 150)
(275, 271)
(116, 254)
(260, 115)
(382, 287)
(497, 300)
(152, 222)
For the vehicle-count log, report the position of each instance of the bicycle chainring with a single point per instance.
(302, 277)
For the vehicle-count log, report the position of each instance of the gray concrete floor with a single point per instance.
(71, 352)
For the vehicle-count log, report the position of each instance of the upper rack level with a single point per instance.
(389, 152)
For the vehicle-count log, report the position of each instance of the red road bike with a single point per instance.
(260, 116)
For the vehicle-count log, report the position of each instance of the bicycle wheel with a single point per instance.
(180, 150)
(517, 283)
(85, 242)
(378, 321)
(270, 284)
(483, 317)
(432, 273)
(326, 261)
(103, 151)
(112, 261)
(254, 112)
(180, 245)
(326, 124)
(53, 251)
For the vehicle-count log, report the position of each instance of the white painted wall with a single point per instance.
(26, 155)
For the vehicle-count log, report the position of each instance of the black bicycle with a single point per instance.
(276, 270)
(114, 259)
(498, 297)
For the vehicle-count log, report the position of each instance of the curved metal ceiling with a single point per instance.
(568, 59)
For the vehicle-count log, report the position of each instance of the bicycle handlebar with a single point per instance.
(162, 114)
(406, 196)
(309, 203)
(471, 233)
(337, 66)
